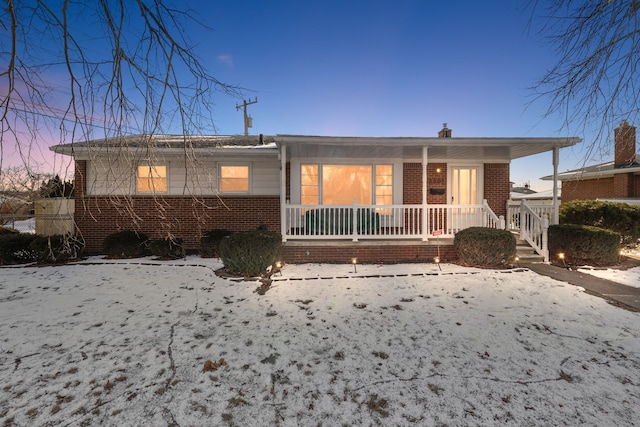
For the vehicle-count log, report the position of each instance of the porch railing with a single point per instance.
(533, 223)
(355, 222)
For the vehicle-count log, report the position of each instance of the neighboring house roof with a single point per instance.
(439, 149)
(541, 195)
(601, 170)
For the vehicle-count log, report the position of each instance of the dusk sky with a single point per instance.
(383, 68)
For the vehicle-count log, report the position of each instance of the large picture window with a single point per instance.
(152, 179)
(342, 184)
(234, 178)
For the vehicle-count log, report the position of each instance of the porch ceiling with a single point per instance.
(438, 149)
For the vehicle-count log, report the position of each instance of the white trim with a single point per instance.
(167, 167)
(250, 172)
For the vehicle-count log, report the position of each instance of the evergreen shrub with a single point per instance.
(583, 244)
(126, 244)
(168, 248)
(485, 247)
(210, 242)
(619, 217)
(56, 249)
(15, 248)
(250, 253)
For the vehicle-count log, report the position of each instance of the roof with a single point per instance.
(438, 149)
(601, 170)
(200, 144)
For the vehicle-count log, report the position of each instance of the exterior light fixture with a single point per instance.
(561, 257)
(278, 265)
(516, 259)
(354, 261)
(438, 170)
(437, 261)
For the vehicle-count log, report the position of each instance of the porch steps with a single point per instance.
(525, 252)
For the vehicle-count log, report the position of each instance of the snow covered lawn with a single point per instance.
(141, 342)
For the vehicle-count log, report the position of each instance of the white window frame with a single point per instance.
(152, 165)
(396, 186)
(235, 164)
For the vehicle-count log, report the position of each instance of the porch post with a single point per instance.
(425, 213)
(556, 215)
(283, 192)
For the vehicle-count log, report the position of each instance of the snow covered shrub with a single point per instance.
(169, 248)
(125, 244)
(210, 242)
(619, 217)
(56, 249)
(583, 244)
(485, 247)
(250, 253)
(15, 249)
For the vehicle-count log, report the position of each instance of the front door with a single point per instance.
(464, 193)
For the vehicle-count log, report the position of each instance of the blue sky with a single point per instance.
(384, 68)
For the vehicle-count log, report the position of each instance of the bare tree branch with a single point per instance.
(594, 82)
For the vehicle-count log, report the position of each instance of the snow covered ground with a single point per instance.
(143, 342)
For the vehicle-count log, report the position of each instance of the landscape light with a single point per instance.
(561, 257)
(437, 261)
(516, 259)
(354, 261)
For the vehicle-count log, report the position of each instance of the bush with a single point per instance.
(15, 248)
(168, 248)
(619, 217)
(5, 230)
(250, 253)
(583, 244)
(125, 244)
(56, 249)
(485, 247)
(210, 242)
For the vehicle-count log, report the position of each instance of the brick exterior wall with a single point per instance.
(496, 186)
(624, 149)
(366, 253)
(619, 186)
(412, 183)
(187, 218)
(183, 217)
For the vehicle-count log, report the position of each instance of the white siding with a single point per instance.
(118, 177)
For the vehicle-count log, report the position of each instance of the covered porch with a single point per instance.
(369, 192)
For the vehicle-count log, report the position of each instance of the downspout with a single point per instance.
(283, 192)
(425, 213)
(556, 215)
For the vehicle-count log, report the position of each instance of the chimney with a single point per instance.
(445, 132)
(624, 145)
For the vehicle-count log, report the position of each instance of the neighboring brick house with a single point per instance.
(616, 180)
(376, 198)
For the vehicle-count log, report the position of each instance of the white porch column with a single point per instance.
(556, 215)
(425, 212)
(283, 192)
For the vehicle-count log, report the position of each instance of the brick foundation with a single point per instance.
(365, 253)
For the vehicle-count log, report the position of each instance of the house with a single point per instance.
(380, 199)
(618, 180)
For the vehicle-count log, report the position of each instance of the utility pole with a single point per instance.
(248, 121)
